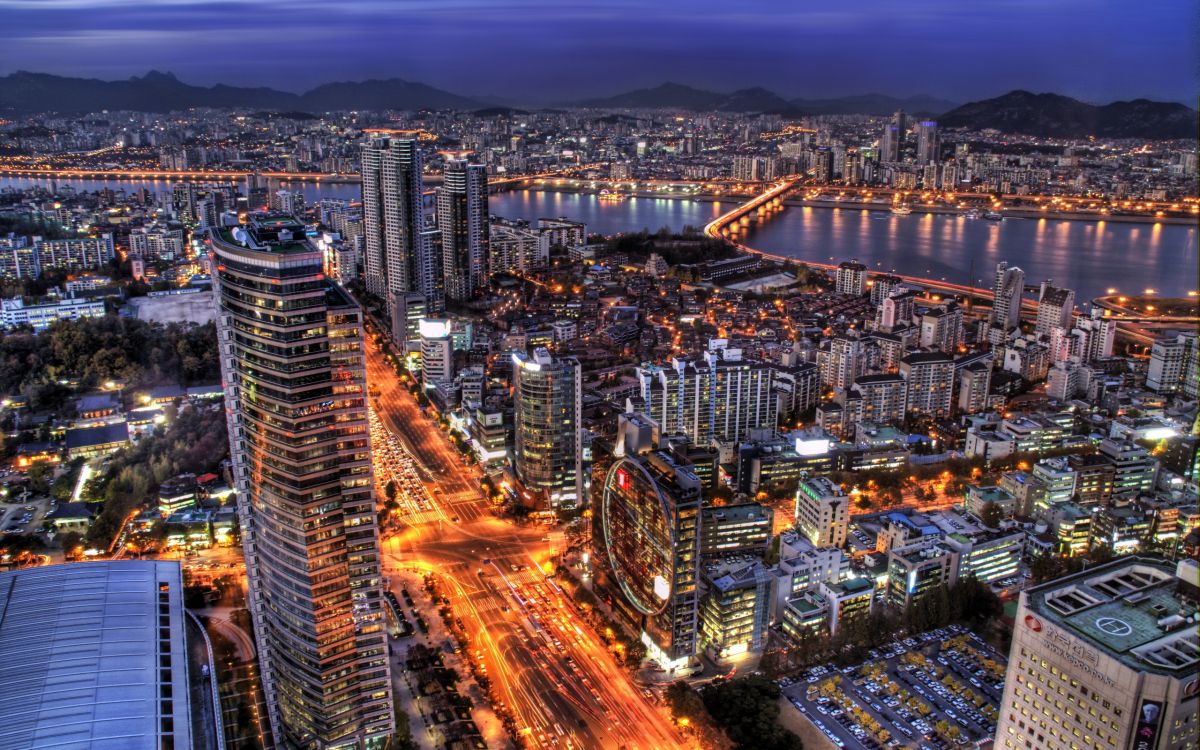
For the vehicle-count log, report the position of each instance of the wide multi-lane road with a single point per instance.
(549, 669)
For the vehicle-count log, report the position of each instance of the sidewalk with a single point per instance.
(424, 731)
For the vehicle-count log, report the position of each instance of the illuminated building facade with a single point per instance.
(1105, 658)
(462, 216)
(650, 519)
(295, 392)
(547, 401)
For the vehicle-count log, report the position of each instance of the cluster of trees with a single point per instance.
(689, 246)
(194, 442)
(94, 350)
(741, 714)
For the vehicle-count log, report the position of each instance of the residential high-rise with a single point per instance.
(882, 287)
(1006, 302)
(974, 381)
(715, 396)
(942, 328)
(295, 391)
(399, 255)
(1175, 365)
(844, 361)
(928, 142)
(1055, 306)
(851, 278)
(462, 218)
(1105, 658)
(547, 403)
(882, 397)
(929, 378)
(650, 521)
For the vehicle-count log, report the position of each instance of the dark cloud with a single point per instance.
(541, 50)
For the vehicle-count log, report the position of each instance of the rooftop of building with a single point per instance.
(79, 656)
(1134, 609)
(727, 576)
(85, 437)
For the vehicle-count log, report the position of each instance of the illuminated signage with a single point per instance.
(433, 329)
(1149, 717)
(622, 478)
(662, 589)
(811, 446)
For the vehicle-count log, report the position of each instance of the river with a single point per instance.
(1089, 257)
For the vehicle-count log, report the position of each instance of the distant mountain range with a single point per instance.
(1021, 112)
(1056, 116)
(679, 96)
(23, 92)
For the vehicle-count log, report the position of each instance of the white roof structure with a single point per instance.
(92, 655)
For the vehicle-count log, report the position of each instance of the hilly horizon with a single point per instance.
(1018, 112)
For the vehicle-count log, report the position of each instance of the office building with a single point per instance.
(1134, 469)
(928, 143)
(929, 384)
(1055, 309)
(41, 315)
(851, 278)
(400, 257)
(822, 512)
(1105, 658)
(547, 402)
(462, 219)
(735, 609)
(293, 367)
(437, 352)
(743, 529)
(916, 569)
(95, 655)
(650, 517)
(1006, 303)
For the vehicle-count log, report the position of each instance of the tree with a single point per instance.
(747, 709)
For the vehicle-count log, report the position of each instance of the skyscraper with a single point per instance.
(399, 255)
(650, 519)
(547, 403)
(295, 393)
(462, 217)
(891, 143)
(1006, 302)
(928, 142)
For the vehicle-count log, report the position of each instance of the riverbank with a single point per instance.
(1008, 213)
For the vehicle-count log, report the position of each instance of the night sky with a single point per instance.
(543, 50)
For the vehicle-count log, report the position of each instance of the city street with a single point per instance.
(548, 668)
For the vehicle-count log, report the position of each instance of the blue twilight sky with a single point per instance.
(547, 50)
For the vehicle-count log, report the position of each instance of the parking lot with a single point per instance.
(938, 690)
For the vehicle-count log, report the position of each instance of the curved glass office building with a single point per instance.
(295, 382)
(650, 518)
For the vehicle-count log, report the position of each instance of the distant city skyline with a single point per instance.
(545, 51)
